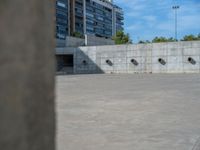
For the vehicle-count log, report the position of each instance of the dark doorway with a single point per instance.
(65, 63)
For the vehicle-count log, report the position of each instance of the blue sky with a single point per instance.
(145, 19)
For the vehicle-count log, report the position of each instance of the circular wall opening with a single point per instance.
(191, 60)
(84, 62)
(109, 62)
(162, 61)
(134, 62)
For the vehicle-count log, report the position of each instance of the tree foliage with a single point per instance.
(77, 34)
(191, 37)
(144, 42)
(163, 39)
(122, 38)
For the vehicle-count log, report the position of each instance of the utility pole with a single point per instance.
(175, 8)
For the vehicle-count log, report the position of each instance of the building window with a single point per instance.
(61, 4)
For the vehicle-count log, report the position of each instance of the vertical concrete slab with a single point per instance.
(133, 52)
(27, 75)
(191, 51)
(175, 57)
(159, 51)
(189, 67)
(146, 58)
(120, 61)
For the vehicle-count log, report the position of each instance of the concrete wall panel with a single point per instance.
(191, 51)
(91, 40)
(189, 67)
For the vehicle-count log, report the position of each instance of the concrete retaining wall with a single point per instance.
(91, 40)
(74, 42)
(60, 43)
(140, 58)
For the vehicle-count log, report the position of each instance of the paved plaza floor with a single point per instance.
(128, 112)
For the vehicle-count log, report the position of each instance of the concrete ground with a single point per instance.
(128, 112)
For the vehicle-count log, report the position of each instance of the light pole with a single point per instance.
(175, 8)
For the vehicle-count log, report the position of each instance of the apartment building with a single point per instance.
(62, 19)
(101, 18)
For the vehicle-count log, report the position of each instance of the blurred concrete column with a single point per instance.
(27, 118)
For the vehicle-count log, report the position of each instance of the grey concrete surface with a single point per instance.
(128, 112)
(91, 40)
(27, 116)
(74, 41)
(88, 40)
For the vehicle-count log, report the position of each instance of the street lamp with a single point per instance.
(175, 8)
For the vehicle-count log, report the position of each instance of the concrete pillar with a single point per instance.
(69, 22)
(27, 75)
(72, 17)
(113, 21)
(84, 17)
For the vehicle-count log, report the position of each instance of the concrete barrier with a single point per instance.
(91, 40)
(74, 41)
(174, 57)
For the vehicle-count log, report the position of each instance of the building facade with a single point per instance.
(101, 18)
(62, 19)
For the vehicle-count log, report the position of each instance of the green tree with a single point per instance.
(191, 37)
(122, 38)
(171, 39)
(77, 34)
(144, 42)
(163, 39)
(159, 40)
(188, 38)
